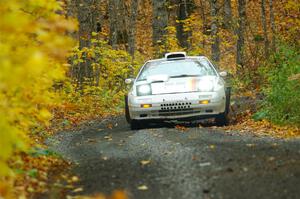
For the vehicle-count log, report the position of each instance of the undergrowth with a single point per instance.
(281, 86)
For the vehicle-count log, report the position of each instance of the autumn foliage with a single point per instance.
(33, 49)
(49, 82)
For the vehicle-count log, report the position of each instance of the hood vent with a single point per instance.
(175, 55)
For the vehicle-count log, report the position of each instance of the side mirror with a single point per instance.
(223, 74)
(129, 80)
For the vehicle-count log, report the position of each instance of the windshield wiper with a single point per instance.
(184, 75)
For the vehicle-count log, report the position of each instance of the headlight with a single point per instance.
(219, 85)
(210, 86)
(206, 86)
(143, 90)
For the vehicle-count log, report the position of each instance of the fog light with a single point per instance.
(146, 105)
(204, 102)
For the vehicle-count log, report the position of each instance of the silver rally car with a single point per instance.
(177, 87)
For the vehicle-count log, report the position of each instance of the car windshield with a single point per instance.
(177, 69)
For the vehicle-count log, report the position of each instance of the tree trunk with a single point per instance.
(88, 18)
(118, 22)
(215, 47)
(159, 24)
(204, 23)
(264, 24)
(184, 11)
(272, 23)
(240, 33)
(227, 14)
(132, 26)
(113, 20)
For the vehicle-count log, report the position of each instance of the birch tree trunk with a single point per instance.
(264, 24)
(215, 47)
(240, 55)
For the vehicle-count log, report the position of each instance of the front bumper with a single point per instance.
(177, 106)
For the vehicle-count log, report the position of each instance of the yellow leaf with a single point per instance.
(145, 162)
(143, 188)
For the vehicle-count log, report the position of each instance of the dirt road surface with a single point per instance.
(163, 162)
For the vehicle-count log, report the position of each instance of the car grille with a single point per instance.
(182, 108)
(175, 106)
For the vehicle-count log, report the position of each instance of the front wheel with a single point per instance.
(127, 115)
(222, 119)
(136, 124)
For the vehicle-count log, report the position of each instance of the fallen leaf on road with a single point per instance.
(204, 164)
(180, 128)
(108, 137)
(110, 126)
(117, 195)
(274, 145)
(271, 158)
(91, 140)
(194, 157)
(145, 162)
(30, 189)
(75, 179)
(245, 169)
(80, 189)
(105, 158)
(143, 188)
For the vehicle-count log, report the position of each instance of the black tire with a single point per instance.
(127, 115)
(223, 119)
(136, 125)
(228, 96)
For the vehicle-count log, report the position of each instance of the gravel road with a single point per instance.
(163, 162)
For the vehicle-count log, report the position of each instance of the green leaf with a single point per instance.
(32, 173)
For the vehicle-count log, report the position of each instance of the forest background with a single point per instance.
(64, 62)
